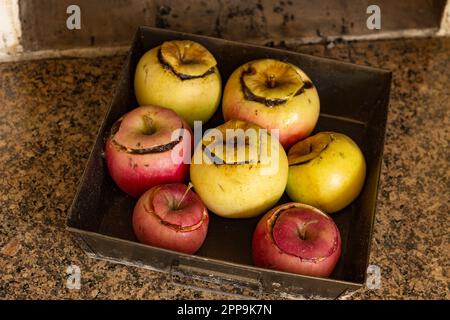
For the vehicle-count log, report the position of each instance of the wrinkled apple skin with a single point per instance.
(150, 230)
(239, 191)
(332, 180)
(192, 99)
(295, 119)
(136, 173)
(266, 253)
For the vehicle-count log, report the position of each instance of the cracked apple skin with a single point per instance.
(332, 178)
(171, 217)
(193, 98)
(297, 238)
(296, 118)
(240, 190)
(147, 128)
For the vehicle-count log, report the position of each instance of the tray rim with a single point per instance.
(249, 44)
(213, 260)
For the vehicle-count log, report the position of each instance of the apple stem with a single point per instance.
(190, 185)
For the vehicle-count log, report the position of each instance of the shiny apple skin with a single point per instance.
(136, 173)
(267, 254)
(295, 119)
(149, 229)
(193, 99)
(332, 180)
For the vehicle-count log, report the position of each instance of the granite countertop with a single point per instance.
(50, 111)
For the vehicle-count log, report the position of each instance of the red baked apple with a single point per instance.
(297, 238)
(274, 95)
(171, 216)
(142, 146)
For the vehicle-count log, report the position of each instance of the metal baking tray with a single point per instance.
(354, 100)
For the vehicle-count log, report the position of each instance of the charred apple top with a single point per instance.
(138, 133)
(298, 238)
(239, 170)
(232, 149)
(274, 95)
(309, 148)
(186, 59)
(272, 82)
(305, 233)
(175, 207)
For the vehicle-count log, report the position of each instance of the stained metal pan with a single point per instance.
(354, 101)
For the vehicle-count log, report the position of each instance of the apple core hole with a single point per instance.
(148, 131)
(177, 207)
(188, 61)
(307, 150)
(271, 82)
(149, 127)
(302, 234)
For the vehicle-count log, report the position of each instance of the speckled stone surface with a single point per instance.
(50, 111)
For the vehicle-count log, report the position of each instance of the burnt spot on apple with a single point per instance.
(306, 85)
(146, 72)
(216, 160)
(249, 70)
(158, 149)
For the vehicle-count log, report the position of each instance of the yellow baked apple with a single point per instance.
(239, 170)
(326, 171)
(181, 75)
